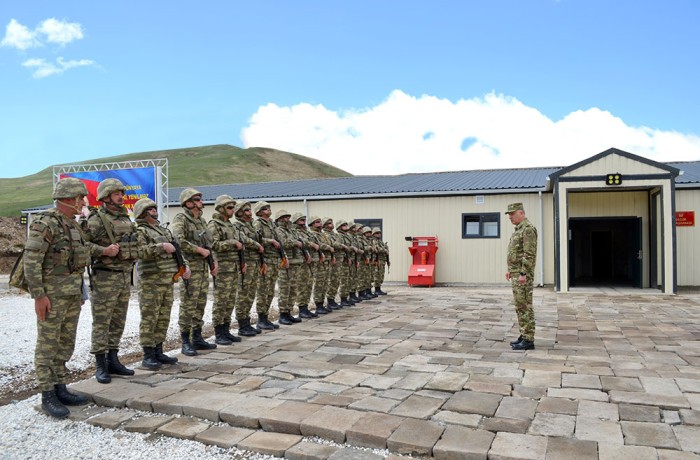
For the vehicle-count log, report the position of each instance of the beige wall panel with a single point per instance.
(688, 240)
(614, 164)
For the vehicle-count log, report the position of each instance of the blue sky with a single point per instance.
(373, 87)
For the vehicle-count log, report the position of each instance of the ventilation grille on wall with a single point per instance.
(479, 199)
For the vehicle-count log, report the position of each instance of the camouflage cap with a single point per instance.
(259, 205)
(142, 205)
(109, 186)
(313, 219)
(241, 206)
(70, 187)
(187, 194)
(222, 201)
(376, 230)
(514, 207)
(340, 223)
(281, 213)
(298, 215)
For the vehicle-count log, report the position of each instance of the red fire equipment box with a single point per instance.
(423, 250)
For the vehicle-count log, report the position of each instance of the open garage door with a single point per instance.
(605, 251)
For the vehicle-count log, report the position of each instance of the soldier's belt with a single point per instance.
(105, 269)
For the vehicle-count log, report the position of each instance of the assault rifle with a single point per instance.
(307, 256)
(263, 264)
(209, 258)
(241, 257)
(181, 266)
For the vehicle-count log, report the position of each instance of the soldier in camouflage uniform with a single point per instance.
(270, 239)
(356, 262)
(227, 250)
(370, 259)
(285, 281)
(190, 231)
(321, 254)
(345, 263)
(157, 270)
(115, 248)
(54, 261)
(522, 254)
(253, 250)
(336, 261)
(304, 282)
(382, 260)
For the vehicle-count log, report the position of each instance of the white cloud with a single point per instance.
(50, 30)
(421, 134)
(19, 36)
(60, 32)
(45, 68)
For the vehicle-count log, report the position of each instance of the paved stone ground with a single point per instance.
(429, 372)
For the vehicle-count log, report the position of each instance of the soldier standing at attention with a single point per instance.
(321, 249)
(246, 295)
(304, 282)
(336, 261)
(54, 261)
(115, 247)
(156, 269)
(190, 231)
(522, 254)
(287, 289)
(382, 259)
(345, 263)
(226, 246)
(269, 238)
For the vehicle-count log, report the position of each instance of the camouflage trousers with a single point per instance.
(364, 276)
(193, 303)
(522, 296)
(225, 296)
(320, 281)
(378, 275)
(266, 286)
(303, 283)
(352, 277)
(110, 302)
(333, 279)
(55, 341)
(155, 303)
(246, 294)
(344, 278)
(287, 287)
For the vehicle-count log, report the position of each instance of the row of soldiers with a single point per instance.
(246, 256)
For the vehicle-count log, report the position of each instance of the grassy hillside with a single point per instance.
(210, 165)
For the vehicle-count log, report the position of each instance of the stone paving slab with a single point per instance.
(269, 443)
(183, 428)
(330, 423)
(147, 424)
(223, 436)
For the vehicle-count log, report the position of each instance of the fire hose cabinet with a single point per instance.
(423, 250)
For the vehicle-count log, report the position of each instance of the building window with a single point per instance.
(371, 223)
(481, 225)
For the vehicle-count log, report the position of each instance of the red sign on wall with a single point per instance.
(685, 219)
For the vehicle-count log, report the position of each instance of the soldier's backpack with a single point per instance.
(17, 278)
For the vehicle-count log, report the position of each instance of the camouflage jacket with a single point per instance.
(191, 233)
(289, 242)
(522, 248)
(267, 231)
(249, 238)
(105, 227)
(154, 259)
(55, 255)
(225, 237)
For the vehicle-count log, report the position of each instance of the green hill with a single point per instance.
(196, 166)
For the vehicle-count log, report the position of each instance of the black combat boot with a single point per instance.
(162, 357)
(332, 304)
(321, 310)
(198, 341)
(287, 319)
(220, 335)
(516, 341)
(227, 332)
(52, 406)
(378, 290)
(245, 329)
(524, 344)
(364, 295)
(101, 372)
(354, 297)
(344, 302)
(304, 312)
(149, 359)
(187, 348)
(265, 323)
(68, 398)
(114, 366)
(371, 294)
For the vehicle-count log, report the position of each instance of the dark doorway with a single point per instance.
(605, 251)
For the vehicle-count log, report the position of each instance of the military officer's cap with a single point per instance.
(514, 207)
(297, 215)
(281, 213)
(259, 205)
(142, 205)
(187, 194)
(222, 201)
(69, 187)
(240, 207)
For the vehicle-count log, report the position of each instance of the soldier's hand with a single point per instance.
(507, 276)
(522, 279)
(298, 243)
(187, 274)
(244, 268)
(168, 248)
(203, 252)
(42, 307)
(315, 246)
(215, 270)
(275, 244)
(260, 248)
(111, 250)
(238, 246)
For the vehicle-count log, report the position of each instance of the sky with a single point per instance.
(370, 86)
